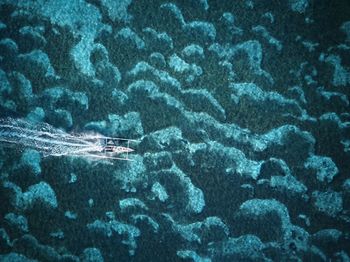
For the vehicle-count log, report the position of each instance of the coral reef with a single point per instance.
(242, 115)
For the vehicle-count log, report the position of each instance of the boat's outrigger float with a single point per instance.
(109, 147)
(116, 148)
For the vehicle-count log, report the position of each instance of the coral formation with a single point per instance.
(242, 113)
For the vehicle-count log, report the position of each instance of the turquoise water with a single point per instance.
(240, 110)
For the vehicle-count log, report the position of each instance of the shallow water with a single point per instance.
(240, 110)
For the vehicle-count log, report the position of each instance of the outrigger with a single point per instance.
(109, 147)
(118, 146)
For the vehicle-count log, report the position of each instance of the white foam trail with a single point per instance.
(50, 140)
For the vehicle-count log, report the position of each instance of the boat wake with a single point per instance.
(51, 141)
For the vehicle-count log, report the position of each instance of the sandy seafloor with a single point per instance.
(241, 109)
